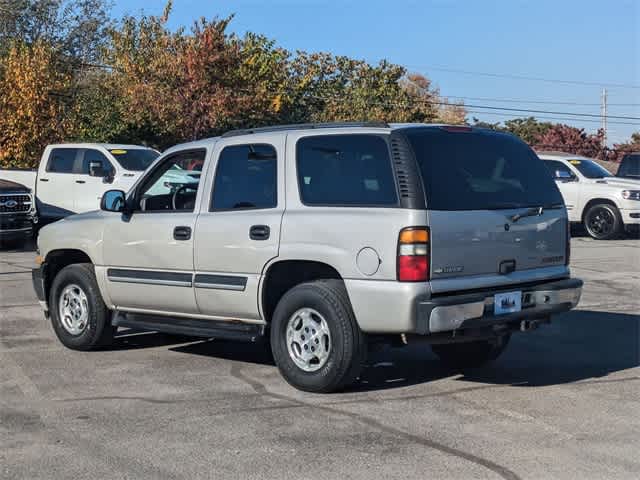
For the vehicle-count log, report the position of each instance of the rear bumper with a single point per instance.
(474, 310)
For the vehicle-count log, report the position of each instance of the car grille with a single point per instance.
(14, 222)
(15, 203)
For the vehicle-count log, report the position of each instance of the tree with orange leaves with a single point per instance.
(33, 98)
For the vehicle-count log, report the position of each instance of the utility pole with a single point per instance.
(603, 113)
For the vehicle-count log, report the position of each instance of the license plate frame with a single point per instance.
(507, 302)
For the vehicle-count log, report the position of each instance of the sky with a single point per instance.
(470, 49)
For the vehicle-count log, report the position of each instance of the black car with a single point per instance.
(17, 214)
(630, 166)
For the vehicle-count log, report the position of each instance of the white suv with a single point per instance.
(605, 204)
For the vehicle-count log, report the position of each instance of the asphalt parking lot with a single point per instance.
(562, 402)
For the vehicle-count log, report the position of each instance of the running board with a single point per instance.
(244, 332)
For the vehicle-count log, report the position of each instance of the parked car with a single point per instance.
(605, 204)
(629, 166)
(17, 214)
(322, 238)
(71, 178)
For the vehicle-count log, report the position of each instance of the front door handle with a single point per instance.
(80, 181)
(182, 233)
(259, 232)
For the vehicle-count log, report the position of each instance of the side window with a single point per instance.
(246, 178)
(630, 166)
(91, 155)
(345, 170)
(555, 167)
(62, 160)
(173, 185)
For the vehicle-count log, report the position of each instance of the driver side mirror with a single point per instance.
(113, 201)
(564, 176)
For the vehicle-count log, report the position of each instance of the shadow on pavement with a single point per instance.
(578, 345)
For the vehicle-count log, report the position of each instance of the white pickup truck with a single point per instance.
(605, 204)
(72, 177)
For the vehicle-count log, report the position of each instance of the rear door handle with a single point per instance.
(44, 179)
(182, 233)
(259, 232)
(80, 181)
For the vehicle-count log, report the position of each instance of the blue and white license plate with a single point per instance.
(507, 302)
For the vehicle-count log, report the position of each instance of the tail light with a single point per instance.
(413, 254)
(567, 250)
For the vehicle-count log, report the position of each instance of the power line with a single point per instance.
(524, 77)
(541, 102)
(564, 119)
(592, 115)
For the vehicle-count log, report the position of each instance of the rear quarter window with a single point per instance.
(345, 170)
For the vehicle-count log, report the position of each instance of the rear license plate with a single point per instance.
(507, 303)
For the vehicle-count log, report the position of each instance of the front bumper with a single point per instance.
(15, 233)
(630, 216)
(475, 310)
(38, 277)
(15, 226)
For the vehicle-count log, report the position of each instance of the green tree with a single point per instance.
(528, 129)
(76, 28)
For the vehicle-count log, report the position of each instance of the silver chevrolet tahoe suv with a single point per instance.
(323, 238)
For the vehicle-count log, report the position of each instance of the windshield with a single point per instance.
(590, 169)
(480, 170)
(135, 160)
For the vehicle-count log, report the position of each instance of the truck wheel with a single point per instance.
(471, 354)
(316, 342)
(79, 317)
(603, 222)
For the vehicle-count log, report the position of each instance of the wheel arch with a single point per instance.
(283, 275)
(58, 259)
(596, 201)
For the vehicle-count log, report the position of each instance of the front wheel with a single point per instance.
(603, 222)
(316, 342)
(79, 317)
(471, 354)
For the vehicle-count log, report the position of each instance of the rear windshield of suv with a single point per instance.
(480, 170)
(135, 160)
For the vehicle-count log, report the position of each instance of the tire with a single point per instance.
(603, 222)
(323, 305)
(471, 354)
(90, 330)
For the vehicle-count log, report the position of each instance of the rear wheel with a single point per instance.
(316, 342)
(603, 222)
(79, 317)
(471, 354)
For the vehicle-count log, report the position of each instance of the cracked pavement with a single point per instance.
(562, 402)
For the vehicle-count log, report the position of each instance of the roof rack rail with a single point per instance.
(304, 126)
